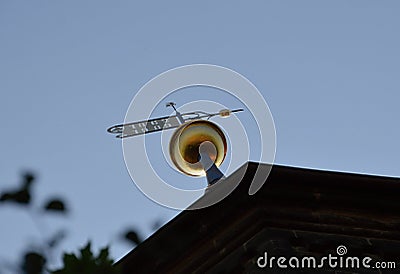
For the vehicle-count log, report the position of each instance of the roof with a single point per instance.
(297, 212)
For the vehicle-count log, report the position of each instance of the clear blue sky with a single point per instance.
(329, 71)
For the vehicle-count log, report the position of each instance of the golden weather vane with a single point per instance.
(197, 146)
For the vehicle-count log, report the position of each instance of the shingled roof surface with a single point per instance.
(298, 212)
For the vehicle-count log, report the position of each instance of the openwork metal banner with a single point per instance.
(143, 127)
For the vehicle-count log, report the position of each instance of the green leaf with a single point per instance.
(23, 194)
(132, 236)
(56, 238)
(28, 177)
(55, 205)
(33, 263)
(103, 255)
(86, 253)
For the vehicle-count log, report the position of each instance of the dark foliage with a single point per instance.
(55, 205)
(87, 263)
(33, 263)
(132, 236)
(21, 195)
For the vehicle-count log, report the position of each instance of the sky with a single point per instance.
(329, 71)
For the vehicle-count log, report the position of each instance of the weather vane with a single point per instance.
(197, 147)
